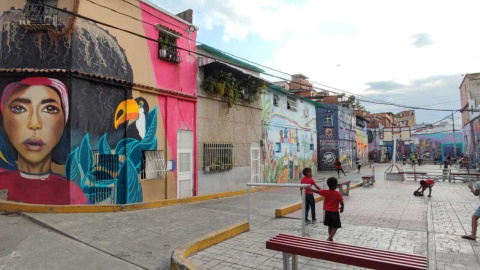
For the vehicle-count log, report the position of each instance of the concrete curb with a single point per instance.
(13, 207)
(283, 211)
(179, 259)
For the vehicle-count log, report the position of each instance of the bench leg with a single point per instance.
(366, 183)
(286, 258)
(294, 262)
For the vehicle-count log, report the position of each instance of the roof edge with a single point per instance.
(168, 13)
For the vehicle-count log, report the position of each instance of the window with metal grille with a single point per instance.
(39, 16)
(292, 103)
(167, 47)
(328, 120)
(153, 165)
(218, 156)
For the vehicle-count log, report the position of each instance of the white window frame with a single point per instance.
(276, 100)
(292, 103)
(328, 118)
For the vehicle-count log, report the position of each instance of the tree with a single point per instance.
(354, 103)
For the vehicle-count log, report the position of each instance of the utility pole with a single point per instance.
(454, 140)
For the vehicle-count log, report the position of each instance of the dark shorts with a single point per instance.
(332, 219)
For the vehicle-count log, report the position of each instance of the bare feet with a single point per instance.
(330, 239)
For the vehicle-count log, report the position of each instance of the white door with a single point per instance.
(184, 163)
(255, 165)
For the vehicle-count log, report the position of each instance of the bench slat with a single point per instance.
(361, 254)
(345, 253)
(341, 258)
(313, 240)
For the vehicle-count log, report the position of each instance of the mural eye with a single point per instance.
(17, 109)
(51, 109)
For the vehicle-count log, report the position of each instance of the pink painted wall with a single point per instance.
(176, 114)
(171, 76)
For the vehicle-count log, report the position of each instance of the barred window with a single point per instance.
(153, 165)
(218, 156)
(167, 46)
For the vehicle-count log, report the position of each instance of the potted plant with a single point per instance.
(220, 88)
(209, 84)
(162, 52)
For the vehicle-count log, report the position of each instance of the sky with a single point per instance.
(409, 52)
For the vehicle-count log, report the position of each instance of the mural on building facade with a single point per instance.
(437, 143)
(57, 144)
(328, 147)
(362, 144)
(289, 139)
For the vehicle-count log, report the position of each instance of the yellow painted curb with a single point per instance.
(13, 207)
(179, 259)
(283, 211)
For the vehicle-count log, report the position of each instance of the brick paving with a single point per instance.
(385, 216)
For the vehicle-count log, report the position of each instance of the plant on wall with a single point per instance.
(226, 84)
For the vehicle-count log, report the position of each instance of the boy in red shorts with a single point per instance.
(332, 199)
(424, 184)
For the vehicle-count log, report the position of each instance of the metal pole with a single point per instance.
(303, 211)
(454, 140)
(249, 203)
(394, 159)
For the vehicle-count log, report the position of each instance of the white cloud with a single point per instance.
(371, 39)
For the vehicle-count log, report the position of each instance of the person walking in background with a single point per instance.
(434, 159)
(371, 160)
(358, 162)
(310, 200)
(338, 165)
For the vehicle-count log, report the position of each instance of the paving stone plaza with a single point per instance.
(385, 216)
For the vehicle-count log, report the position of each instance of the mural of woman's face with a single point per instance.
(33, 119)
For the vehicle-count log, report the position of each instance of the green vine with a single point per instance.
(247, 88)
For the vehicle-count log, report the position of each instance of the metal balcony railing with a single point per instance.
(38, 16)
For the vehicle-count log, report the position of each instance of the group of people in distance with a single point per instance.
(333, 203)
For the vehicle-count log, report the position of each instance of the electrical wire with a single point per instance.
(233, 64)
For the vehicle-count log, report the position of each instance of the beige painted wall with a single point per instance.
(19, 4)
(135, 47)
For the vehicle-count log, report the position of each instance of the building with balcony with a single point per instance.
(107, 117)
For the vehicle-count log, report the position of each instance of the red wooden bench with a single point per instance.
(367, 180)
(293, 246)
(477, 175)
(345, 183)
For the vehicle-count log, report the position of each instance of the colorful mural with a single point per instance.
(289, 137)
(437, 143)
(73, 130)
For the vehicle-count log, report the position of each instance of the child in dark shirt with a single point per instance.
(332, 199)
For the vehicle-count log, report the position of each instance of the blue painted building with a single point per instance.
(289, 141)
(336, 136)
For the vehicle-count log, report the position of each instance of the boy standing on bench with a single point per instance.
(332, 199)
(310, 200)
